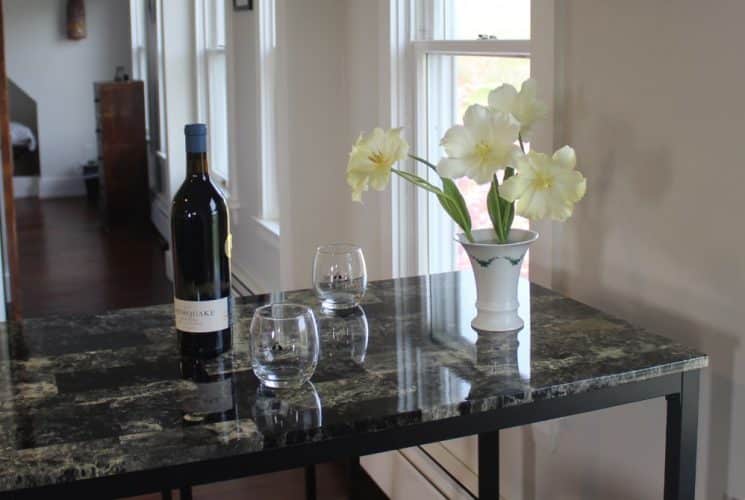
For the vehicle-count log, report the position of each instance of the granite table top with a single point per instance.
(95, 396)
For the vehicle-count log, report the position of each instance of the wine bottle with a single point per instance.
(201, 244)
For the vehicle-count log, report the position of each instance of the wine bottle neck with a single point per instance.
(196, 164)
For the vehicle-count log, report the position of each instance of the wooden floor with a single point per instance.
(69, 265)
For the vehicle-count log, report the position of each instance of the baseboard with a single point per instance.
(25, 186)
(61, 187)
(160, 217)
(247, 279)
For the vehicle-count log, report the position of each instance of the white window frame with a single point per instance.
(412, 39)
(211, 57)
(266, 83)
(138, 18)
(162, 153)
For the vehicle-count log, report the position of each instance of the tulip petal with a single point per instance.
(502, 98)
(372, 158)
(457, 141)
(504, 128)
(565, 157)
(529, 89)
(476, 117)
(514, 187)
(452, 168)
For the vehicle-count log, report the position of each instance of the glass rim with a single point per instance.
(264, 312)
(338, 248)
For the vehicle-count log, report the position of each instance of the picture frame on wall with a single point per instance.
(243, 4)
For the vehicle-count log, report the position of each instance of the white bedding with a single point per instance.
(21, 135)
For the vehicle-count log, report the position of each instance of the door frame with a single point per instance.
(13, 306)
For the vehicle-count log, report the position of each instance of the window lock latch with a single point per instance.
(487, 37)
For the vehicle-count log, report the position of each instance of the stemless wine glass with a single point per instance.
(339, 276)
(283, 341)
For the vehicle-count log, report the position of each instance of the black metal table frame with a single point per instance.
(680, 389)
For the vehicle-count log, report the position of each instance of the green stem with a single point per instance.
(427, 186)
(429, 164)
(509, 209)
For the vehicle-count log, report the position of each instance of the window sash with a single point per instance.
(211, 80)
(505, 48)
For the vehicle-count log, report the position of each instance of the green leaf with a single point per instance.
(507, 208)
(494, 207)
(451, 199)
(455, 205)
(418, 181)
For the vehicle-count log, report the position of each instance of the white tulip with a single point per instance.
(545, 186)
(481, 146)
(372, 158)
(523, 105)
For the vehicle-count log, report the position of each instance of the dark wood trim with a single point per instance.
(11, 242)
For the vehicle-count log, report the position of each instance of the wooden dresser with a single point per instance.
(122, 151)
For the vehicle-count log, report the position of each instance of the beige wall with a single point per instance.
(326, 96)
(652, 100)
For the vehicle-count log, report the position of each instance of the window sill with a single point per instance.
(270, 225)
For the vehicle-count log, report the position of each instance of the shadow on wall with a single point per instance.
(648, 174)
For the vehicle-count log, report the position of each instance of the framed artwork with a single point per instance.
(243, 4)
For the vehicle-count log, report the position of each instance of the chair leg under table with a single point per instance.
(681, 439)
(489, 465)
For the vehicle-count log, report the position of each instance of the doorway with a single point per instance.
(79, 165)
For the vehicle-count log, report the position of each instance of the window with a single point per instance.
(464, 48)
(267, 72)
(162, 145)
(138, 21)
(212, 81)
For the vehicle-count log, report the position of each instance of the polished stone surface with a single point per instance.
(92, 396)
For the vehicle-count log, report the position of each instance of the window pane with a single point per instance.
(505, 19)
(218, 113)
(453, 84)
(215, 23)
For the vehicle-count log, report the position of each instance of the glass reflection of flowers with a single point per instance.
(490, 141)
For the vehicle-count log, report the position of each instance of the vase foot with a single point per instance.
(488, 321)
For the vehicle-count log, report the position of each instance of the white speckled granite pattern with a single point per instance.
(91, 396)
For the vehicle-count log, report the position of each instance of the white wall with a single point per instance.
(329, 97)
(651, 99)
(59, 74)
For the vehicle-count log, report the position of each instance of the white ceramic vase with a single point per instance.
(496, 268)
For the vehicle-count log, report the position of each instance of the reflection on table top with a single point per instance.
(91, 396)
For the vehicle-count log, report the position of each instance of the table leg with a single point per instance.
(310, 482)
(185, 493)
(353, 478)
(489, 465)
(681, 439)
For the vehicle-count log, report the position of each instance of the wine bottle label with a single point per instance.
(201, 316)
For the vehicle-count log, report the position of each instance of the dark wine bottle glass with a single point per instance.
(201, 245)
